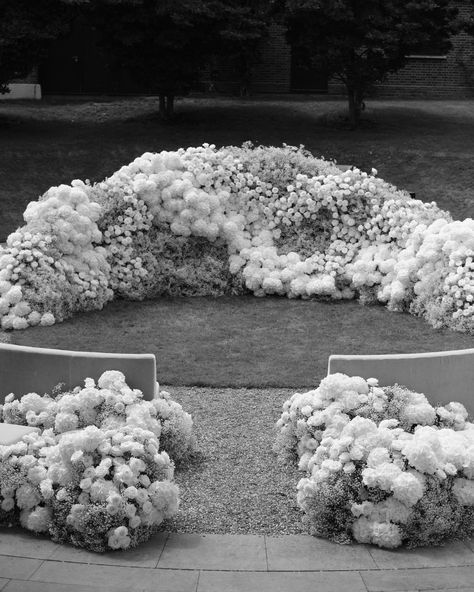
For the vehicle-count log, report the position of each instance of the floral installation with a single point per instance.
(382, 465)
(213, 221)
(99, 471)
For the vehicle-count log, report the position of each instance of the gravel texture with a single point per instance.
(235, 485)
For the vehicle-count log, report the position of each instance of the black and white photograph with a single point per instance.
(236, 295)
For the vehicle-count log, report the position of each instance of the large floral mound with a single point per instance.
(99, 472)
(207, 221)
(382, 465)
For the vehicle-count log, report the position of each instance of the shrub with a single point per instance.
(382, 465)
(98, 475)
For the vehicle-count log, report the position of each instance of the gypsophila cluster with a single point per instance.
(379, 463)
(263, 219)
(99, 471)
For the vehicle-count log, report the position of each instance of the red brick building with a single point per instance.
(437, 76)
(430, 76)
(76, 65)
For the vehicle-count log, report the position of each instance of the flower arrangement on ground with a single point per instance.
(383, 466)
(211, 221)
(99, 472)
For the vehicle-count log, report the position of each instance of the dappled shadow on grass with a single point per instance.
(8, 122)
(222, 115)
(394, 118)
(326, 117)
(243, 341)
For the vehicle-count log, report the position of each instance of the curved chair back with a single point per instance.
(441, 376)
(33, 369)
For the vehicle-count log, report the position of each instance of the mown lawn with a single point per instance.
(243, 341)
(424, 147)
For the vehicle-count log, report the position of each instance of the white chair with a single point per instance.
(442, 376)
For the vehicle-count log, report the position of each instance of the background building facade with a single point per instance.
(77, 65)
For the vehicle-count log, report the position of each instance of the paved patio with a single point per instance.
(231, 563)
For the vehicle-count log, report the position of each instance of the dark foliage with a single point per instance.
(360, 41)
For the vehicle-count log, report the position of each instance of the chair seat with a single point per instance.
(11, 433)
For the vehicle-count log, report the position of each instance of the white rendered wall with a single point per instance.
(20, 90)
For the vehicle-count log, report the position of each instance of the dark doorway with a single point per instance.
(76, 64)
(306, 78)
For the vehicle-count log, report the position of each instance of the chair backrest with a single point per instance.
(441, 376)
(33, 369)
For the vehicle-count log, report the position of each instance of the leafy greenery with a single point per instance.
(26, 28)
(360, 41)
(165, 44)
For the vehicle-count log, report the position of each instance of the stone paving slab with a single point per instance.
(221, 581)
(452, 554)
(18, 542)
(232, 563)
(128, 579)
(307, 553)
(214, 552)
(404, 580)
(146, 555)
(20, 568)
(239, 552)
(22, 586)
(470, 544)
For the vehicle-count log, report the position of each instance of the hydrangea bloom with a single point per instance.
(381, 465)
(263, 219)
(109, 404)
(99, 474)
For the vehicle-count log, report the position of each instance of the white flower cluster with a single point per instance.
(110, 404)
(436, 262)
(97, 475)
(307, 416)
(294, 225)
(209, 193)
(55, 257)
(388, 445)
(125, 216)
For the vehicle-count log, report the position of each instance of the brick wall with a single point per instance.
(433, 77)
(449, 77)
(430, 77)
(272, 72)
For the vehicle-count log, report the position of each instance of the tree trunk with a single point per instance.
(355, 98)
(166, 106)
(162, 106)
(169, 106)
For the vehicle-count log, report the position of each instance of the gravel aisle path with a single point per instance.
(238, 486)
